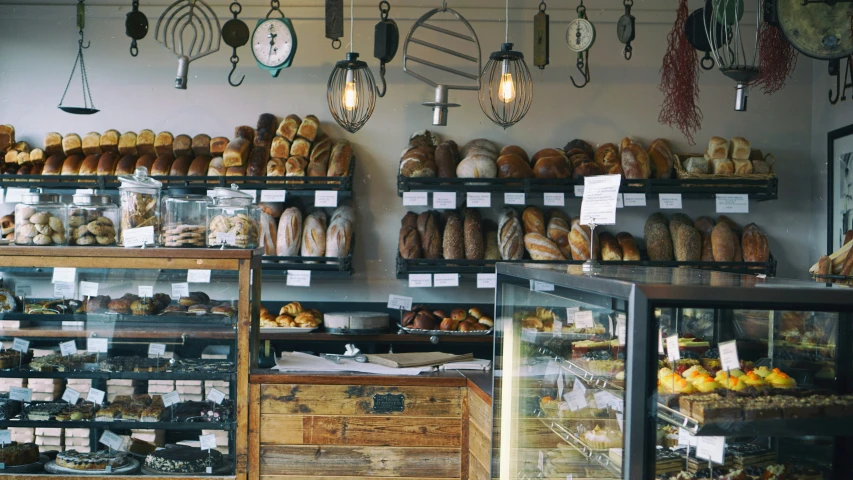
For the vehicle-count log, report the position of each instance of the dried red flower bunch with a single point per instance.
(679, 80)
(777, 59)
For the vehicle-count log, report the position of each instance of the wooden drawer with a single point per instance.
(361, 430)
(320, 400)
(312, 461)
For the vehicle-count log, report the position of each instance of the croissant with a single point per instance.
(292, 309)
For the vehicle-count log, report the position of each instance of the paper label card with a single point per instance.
(599, 200)
(620, 419)
(554, 199)
(579, 190)
(514, 198)
(97, 345)
(570, 314)
(89, 289)
(64, 289)
(326, 198)
(728, 355)
(15, 195)
(225, 238)
(672, 351)
(537, 286)
(732, 203)
(541, 463)
(207, 442)
(136, 237)
(71, 396)
(660, 341)
(399, 302)
(68, 348)
(560, 384)
(576, 400)
(20, 345)
(420, 280)
(479, 199)
(670, 200)
(95, 396)
(146, 291)
(171, 398)
(253, 193)
(711, 448)
(444, 200)
(299, 278)
(198, 276)
(686, 438)
(584, 319)
(215, 396)
(180, 290)
(415, 199)
(156, 349)
(557, 329)
(621, 332)
(446, 279)
(23, 290)
(273, 195)
(487, 280)
(634, 199)
(20, 394)
(67, 275)
(111, 440)
(5, 437)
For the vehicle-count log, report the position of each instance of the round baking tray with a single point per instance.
(34, 467)
(131, 467)
(440, 333)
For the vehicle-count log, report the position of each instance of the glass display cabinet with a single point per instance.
(656, 373)
(125, 361)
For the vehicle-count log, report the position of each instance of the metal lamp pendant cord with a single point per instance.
(236, 34)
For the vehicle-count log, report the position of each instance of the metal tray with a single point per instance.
(34, 467)
(441, 333)
(287, 329)
(131, 467)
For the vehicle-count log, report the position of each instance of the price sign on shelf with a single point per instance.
(68, 348)
(685, 438)
(207, 442)
(634, 199)
(420, 280)
(415, 199)
(111, 440)
(557, 329)
(728, 355)
(446, 279)
(399, 302)
(672, 351)
(137, 237)
(97, 345)
(89, 289)
(156, 349)
(579, 387)
(226, 238)
(71, 396)
(487, 280)
(180, 290)
(514, 198)
(5, 437)
(584, 319)
(67, 275)
(171, 398)
(444, 200)
(23, 290)
(579, 190)
(20, 345)
(20, 394)
(570, 314)
(146, 291)
(273, 195)
(554, 199)
(538, 286)
(64, 289)
(711, 448)
(299, 278)
(198, 276)
(326, 198)
(670, 200)
(215, 396)
(732, 203)
(95, 396)
(479, 199)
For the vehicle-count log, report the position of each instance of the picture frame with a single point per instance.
(839, 151)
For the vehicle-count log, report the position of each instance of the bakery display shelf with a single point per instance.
(325, 266)
(599, 457)
(779, 427)
(758, 189)
(591, 380)
(381, 338)
(119, 425)
(161, 332)
(26, 372)
(107, 320)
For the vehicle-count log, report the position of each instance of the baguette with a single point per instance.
(824, 266)
(837, 257)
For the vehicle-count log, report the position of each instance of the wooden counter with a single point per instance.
(324, 426)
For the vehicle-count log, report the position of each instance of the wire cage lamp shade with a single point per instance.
(351, 93)
(506, 87)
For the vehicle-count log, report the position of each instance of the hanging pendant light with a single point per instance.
(734, 44)
(506, 88)
(351, 91)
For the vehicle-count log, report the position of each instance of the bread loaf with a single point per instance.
(317, 169)
(289, 126)
(52, 144)
(236, 171)
(73, 145)
(609, 159)
(662, 159)
(127, 144)
(295, 167)
(163, 165)
(513, 166)
(92, 143)
(126, 165)
(89, 165)
(256, 166)
(37, 155)
(558, 231)
(218, 146)
(742, 166)
(409, 242)
(723, 241)
(245, 132)
(754, 244)
(267, 124)
(492, 251)
(477, 166)
(453, 241)
(474, 247)
(687, 244)
(424, 138)
(533, 220)
(707, 254)
(515, 150)
(280, 147)
(181, 167)
(510, 235)
(723, 166)
(11, 156)
(740, 148)
(107, 163)
(201, 144)
(340, 233)
(635, 162)
(199, 166)
(718, 148)
(309, 128)
(480, 146)
(276, 167)
(273, 209)
(339, 163)
(146, 161)
(289, 233)
(216, 168)
(7, 137)
(314, 235)
(430, 235)
(268, 234)
(545, 153)
(824, 265)
(237, 152)
(12, 168)
(675, 222)
(578, 144)
(301, 147)
(540, 247)
(611, 251)
(25, 169)
(71, 165)
(658, 242)
(22, 157)
(587, 169)
(163, 143)
(761, 166)
(556, 166)
(697, 165)
(630, 251)
(446, 159)
(182, 145)
(579, 241)
(418, 162)
(577, 158)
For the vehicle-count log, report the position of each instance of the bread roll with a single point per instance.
(218, 146)
(551, 167)
(37, 155)
(314, 235)
(289, 126)
(510, 235)
(558, 231)
(71, 165)
(409, 242)
(339, 163)
(301, 147)
(424, 138)
(92, 143)
(534, 221)
(630, 251)
(127, 144)
(754, 244)
(687, 244)
(295, 167)
(163, 165)
(418, 162)
(515, 150)
(697, 166)
(126, 165)
(541, 247)
(237, 152)
(217, 167)
(579, 241)
(723, 166)
(309, 128)
(89, 165)
(107, 163)
(289, 233)
(256, 166)
(430, 235)
(477, 166)
(52, 144)
(742, 167)
(635, 162)
(718, 148)
(611, 251)
(453, 241)
(267, 124)
(474, 247)
(199, 166)
(72, 144)
(662, 159)
(740, 148)
(163, 143)
(658, 242)
(447, 159)
(181, 167)
(482, 146)
(513, 166)
(182, 145)
(723, 241)
(577, 158)
(236, 171)
(201, 144)
(280, 147)
(588, 169)
(546, 152)
(245, 132)
(607, 156)
(276, 167)
(761, 166)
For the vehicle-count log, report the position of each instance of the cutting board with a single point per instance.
(418, 359)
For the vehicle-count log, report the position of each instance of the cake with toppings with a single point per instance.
(183, 459)
(19, 454)
(90, 460)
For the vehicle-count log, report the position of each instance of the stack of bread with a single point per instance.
(727, 158)
(459, 320)
(681, 239)
(312, 237)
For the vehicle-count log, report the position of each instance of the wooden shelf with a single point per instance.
(161, 332)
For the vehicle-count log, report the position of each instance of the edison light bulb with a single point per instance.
(506, 91)
(350, 99)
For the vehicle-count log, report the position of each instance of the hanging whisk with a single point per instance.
(188, 16)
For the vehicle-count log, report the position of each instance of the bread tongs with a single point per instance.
(352, 352)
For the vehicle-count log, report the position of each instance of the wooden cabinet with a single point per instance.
(479, 434)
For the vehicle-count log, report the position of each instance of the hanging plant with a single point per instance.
(777, 58)
(679, 80)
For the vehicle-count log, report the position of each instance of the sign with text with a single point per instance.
(415, 199)
(444, 200)
(514, 198)
(399, 302)
(599, 200)
(326, 198)
(555, 199)
(670, 201)
(732, 203)
(299, 278)
(479, 199)
(273, 195)
(198, 276)
(137, 237)
(487, 280)
(446, 279)
(420, 280)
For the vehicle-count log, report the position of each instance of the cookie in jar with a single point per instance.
(232, 219)
(93, 221)
(40, 220)
(184, 220)
(140, 204)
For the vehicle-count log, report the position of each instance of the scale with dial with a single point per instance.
(274, 41)
(580, 36)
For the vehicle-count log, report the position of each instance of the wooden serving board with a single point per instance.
(417, 359)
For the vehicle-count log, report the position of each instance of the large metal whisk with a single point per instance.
(201, 20)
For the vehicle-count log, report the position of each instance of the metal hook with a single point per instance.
(628, 51)
(134, 50)
(584, 69)
(234, 60)
(336, 44)
(381, 93)
(710, 61)
(443, 5)
(80, 42)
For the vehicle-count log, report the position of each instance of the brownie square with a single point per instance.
(717, 412)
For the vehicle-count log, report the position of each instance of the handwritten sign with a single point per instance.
(599, 200)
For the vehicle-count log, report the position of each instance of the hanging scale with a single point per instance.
(386, 38)
(236, 34)
(625, 29)
(541, 37)
(135, 27)
(274, 41)
(88, 107)
(335, 22)
(580, 36)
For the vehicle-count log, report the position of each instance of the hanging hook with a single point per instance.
(134, 50)
(381, 93)
(234, 60)
(584, 69)
(80, 42)
(710, 64)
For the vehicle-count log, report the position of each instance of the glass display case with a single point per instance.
(646, 373)
(125, 361)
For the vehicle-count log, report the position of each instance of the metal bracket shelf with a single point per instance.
(225, 377)
(582, 448)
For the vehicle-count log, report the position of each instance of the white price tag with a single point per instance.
(579, 190)
(71, 396)
(64, 289)
(711, 448)
(273, 195)
(732, 203)
(415, 199)
(514, 199)
(299, 278)
(5, 437)
(20, 394)
(97, 345)
(728, 355)
(621, 333)
(198, 276)
(180, 290)
(599, 200)
(68, 348)
(487, 280)
(634, 199)
(95, 396)
(20, 345)
(207, 442)
(157, 349)
(171, 398)
(67, 275)
(111, 440)
(584, 319)
(136, 237)
(215, 396)
(619, 202)
(552, 370)
(660, 341)
(89, 289)
(672, 351)
(14, 195)
(23, 290)
(670, 200)
(326, 198)
(602, 399)
(560, 384)
(541, 286)
(575, 400)
(253, 193)
(226, 238)
(146, 291)
(578, 386)
(84, 191)
(557, 328)
(686, 439)
(570, 314)
(620, 419)
(444, 200)
(479, 200)
(446, 279)
(420, 280)
(399, 302)
(554, 200)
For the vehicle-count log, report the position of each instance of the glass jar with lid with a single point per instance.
(40, 219)
(184, 219)
(232, 220)
(93, 220)
(140, 207)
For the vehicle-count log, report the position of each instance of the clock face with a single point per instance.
(580, 34)
(272, 42)
(625, 28)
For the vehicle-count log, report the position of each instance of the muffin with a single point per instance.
(161, 301)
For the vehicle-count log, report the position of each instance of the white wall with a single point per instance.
(38, 44)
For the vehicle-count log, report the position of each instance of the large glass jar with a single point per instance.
(140, 207)
(40, 219)
(93, 220)
(184, 220)
(232, 220)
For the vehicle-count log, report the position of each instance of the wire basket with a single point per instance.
(684, 174)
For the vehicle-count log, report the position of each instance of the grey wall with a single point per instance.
(38, 44)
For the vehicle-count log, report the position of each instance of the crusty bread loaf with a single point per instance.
(314, 235)
(723, 166)
(341, 157)
(742, 166)
(11, 156)
(181, 166)
(630, 251)
(687, 244)
(126, 165)
(163, 143)
(217, 167)
(37, 155)
(477, 166)
(72, 144)
(662, 159)
(218, 146)
(145, 142)
(280, 148)
(409, 242)
(579, 241)
(658, 242)
(754, 244)
(309, 128)
(246, 132)
(296, 167)
(430, 235)
(340, 232)
(7, 137)
(92, 143)
(182, 145)
(635, 162)
(558, 231)
(611, 250)
(22, 157)
(697, 165)
(453, 241)
(107, 163)
(492, 250)
(418, 162)
(540, 247)
(52, 144)
(71, 165)
(127, 144)
(273, 209)
(556, 166)
(546, 152)
(718, 148)
(511, 165)
(534, 221)
(201, 144)
(446, 159)
(237, 152)
(321, 151)
(289, 126)
(268, 234)
(267, 123)
(239, 171)
(474, 247)
(723, 241)
(163, 165)
(704, 224)
(510, 235)
(588, 169)
(276, 167)
(289, 233)
(109, 141)
(480, 146)
(146, 161)
(199, 166)
(607, 156)
(301, 147)
(256, 165)
(89, 165)
(740, 148)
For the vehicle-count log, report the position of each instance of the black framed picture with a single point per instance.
(840, 186)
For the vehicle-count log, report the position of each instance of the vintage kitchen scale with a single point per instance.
(816, 28)
(135, 27)
(235, 32)
(274, 41)
(191, 20)
(88, 107)
(580, 35)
